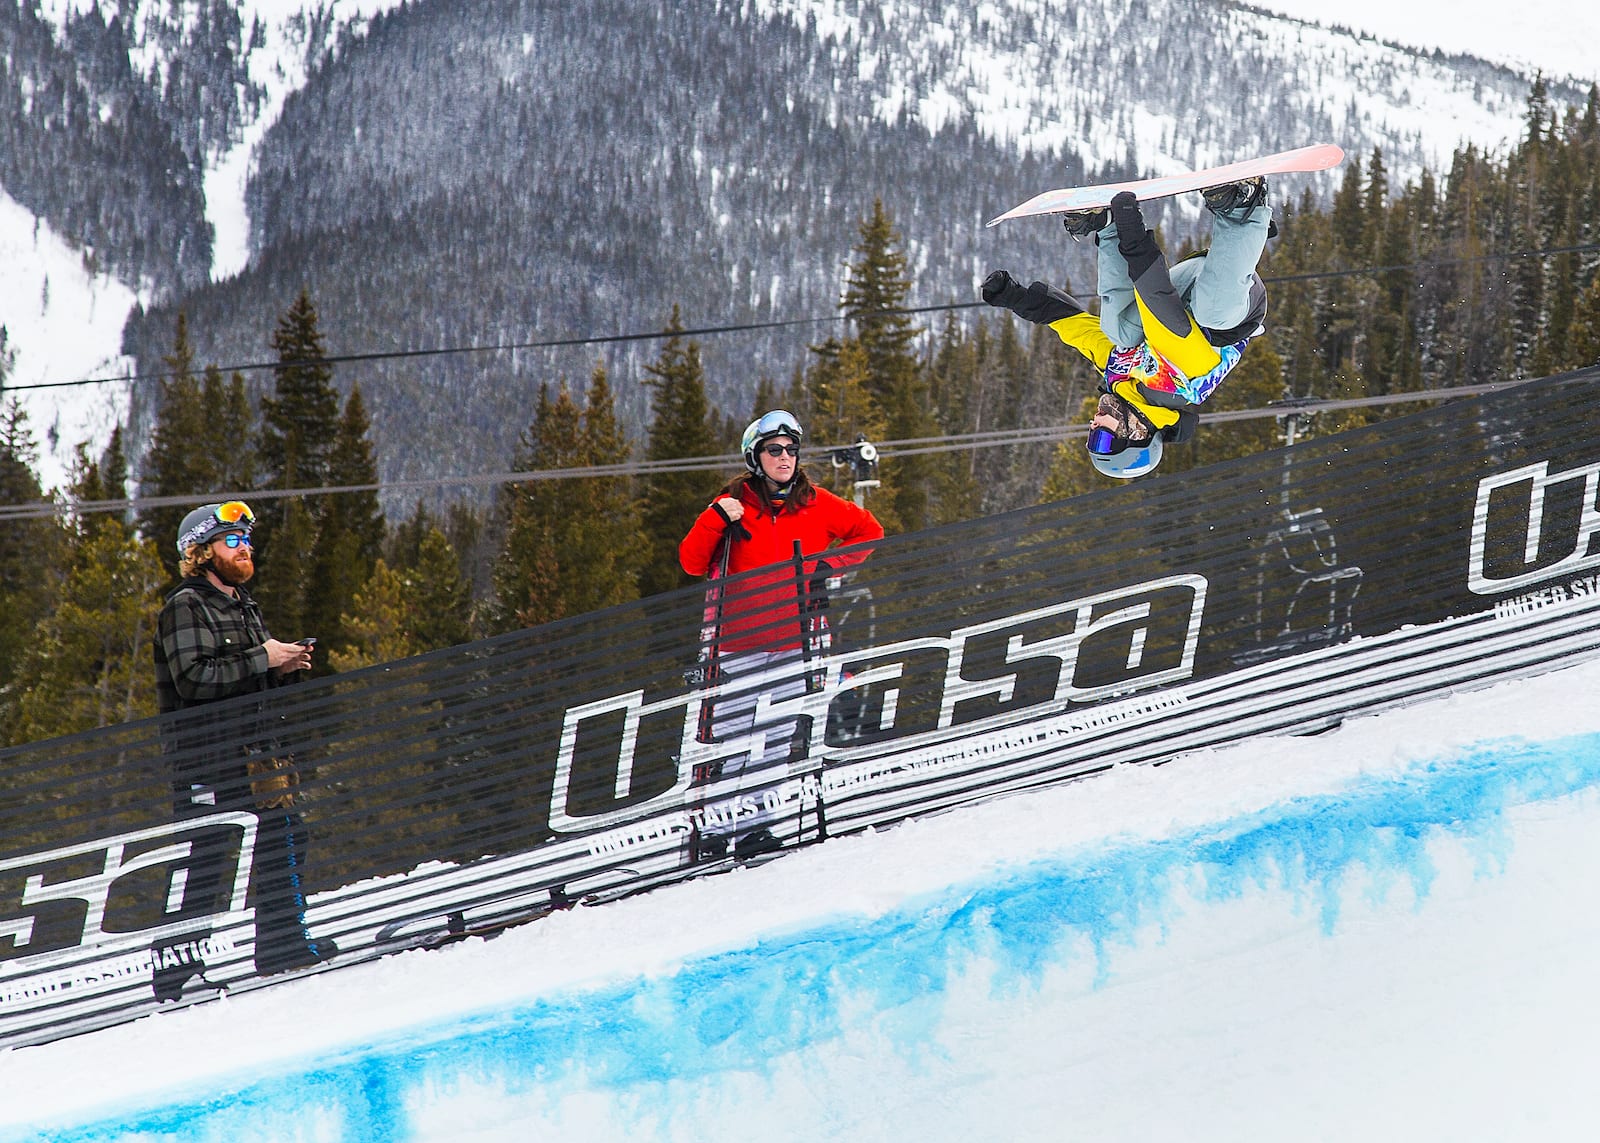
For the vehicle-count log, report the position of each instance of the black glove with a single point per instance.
(740, 532)
(1182, 431)
(817, 589)
(1040, 303)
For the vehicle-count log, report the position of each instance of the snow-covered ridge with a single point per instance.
(1033, 74)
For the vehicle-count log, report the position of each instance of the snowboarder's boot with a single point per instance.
(1235, 201)
(1083, 223)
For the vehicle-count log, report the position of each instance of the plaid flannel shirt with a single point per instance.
(209, 646)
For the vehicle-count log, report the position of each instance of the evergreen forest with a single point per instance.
(1482, 272)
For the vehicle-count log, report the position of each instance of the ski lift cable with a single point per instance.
(718, 330)
(889, 450)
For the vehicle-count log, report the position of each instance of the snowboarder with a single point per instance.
(1165, 338)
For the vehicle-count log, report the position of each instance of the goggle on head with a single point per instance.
(232, 514)
(1131, 429)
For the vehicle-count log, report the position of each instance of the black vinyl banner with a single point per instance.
(490, 783)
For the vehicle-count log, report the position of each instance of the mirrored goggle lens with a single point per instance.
(1102, 442)
(778, 421)
(234, 511)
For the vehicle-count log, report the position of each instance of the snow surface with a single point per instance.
(1381, 932)
(63, 322)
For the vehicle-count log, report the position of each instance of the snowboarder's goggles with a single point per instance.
(236, 540)
(1103, 442)
(1132, 430)
(779, 450)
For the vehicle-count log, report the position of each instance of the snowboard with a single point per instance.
(1319, 157)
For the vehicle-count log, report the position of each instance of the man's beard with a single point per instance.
(231, 573)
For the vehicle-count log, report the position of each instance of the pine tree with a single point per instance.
(233, 421)
(682, 425)
(569, 545)
(182, 459)
(88, 662)
(299, 425)
(441, 598)
(31, 549)
(378, 625)
(527, 576)
(1585, 335)
(875, 291)
(351, 529)
(843, 409)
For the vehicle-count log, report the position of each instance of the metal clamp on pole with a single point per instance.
(862, 458)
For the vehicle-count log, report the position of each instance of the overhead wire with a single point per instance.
(887, 450)
(719, 330)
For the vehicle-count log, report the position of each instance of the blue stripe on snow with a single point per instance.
(736, 1010)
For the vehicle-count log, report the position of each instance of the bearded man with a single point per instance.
(212, 645)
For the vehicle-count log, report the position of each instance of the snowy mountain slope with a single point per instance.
(64, 318)
(1090, 86)
(522, 171)
(1555, 38)
(62, 321)
(1167, 84)
(274, 46)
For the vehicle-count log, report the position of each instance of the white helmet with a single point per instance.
(777, 423)
(1128, 459)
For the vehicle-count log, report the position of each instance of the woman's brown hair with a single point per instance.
(801, 491)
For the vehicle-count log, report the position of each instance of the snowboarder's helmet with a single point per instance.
(1131, 449)
(209, 521)
(1125, 459)
(777, 423)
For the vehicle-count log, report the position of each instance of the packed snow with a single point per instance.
(1379, 932)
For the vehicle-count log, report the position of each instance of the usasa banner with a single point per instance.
(612, 752)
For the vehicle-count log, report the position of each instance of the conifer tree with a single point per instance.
(233, 423)
(299, 424)
(441, 598)
(875, 291)
(570, 545)
(378, 625)
(31, 549)
(350, 532)
(87, 663)
(952, 382)
(682, 425)
(181, 459)
(843, 409)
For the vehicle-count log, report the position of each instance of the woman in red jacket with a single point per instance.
(761, 630)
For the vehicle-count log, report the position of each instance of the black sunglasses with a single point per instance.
(779, 450)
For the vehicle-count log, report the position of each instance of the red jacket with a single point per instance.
(755, 616)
